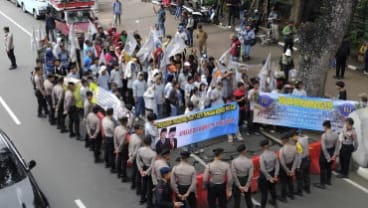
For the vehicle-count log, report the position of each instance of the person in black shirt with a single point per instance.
(163, 142)
(341, 57)
(233, 6)
(340, 86)
(163, 192)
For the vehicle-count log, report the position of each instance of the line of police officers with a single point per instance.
(152, 176)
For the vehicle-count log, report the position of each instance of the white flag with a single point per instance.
(130, 44)
(267, 80)
(91, 30)
(177, 45)
(147, 48)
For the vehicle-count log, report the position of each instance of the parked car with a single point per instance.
(18, 188)
(37, 8)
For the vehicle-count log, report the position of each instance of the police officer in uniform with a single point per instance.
(108, 129)
(214, 178)
(163, 191)
(48, 86)
(145, 158)
(269, 166)
(121, 144)
(57, 96)
(40, 92)
(303, 163)
(183, 181)
(163, 161)
(242, 169)
(348, 143)
(328, 151)
(134, 144)
(71, 110)
(288, 161)
(93, 129)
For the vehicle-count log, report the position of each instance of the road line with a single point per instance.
(353, 183)
(16, 24)
(10, 112)
(79, 203)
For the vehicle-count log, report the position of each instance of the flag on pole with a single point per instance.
(74, 45)
(130, 44)
(177, 45)
(267, 80)
(91, 30)
(147, 48)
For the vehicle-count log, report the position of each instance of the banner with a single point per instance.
(200, 126)
(301, 112)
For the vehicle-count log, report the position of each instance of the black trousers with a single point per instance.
(231, 17)
(74, 121)
(251, 126)
(217, 192)
(289, 43)
(265, 186)
(191, 201)
(121, 163)
(287, 186)
(95, 145)
(60, 118)
(345, 156)
(51, 109)
(136, 178)
(147, 186)
(247, 195)
(11, 56)
(325, 167)
(303, 176)
(109, 152)
(41, 103)
(340, 67)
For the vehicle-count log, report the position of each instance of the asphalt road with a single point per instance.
(65, 169)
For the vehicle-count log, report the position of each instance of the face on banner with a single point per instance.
(198, 126)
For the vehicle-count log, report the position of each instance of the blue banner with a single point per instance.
(301, 112)
(199, 126)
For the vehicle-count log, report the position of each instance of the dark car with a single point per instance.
(18, 188)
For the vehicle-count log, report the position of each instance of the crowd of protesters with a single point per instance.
(190, 82)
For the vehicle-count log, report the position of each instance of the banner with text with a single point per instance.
(201, 125)
(301, 112)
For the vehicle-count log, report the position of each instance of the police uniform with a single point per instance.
(328, 149)
(288, 162)
(71, 109)
(121, 144)
(57, 96)
(145, 158)
(303, 165)
(93, 132)
(108, 129)
(163, 192)
(134, 144)
(269, 169)
(183, 181)
(48, 86)
(242, 169)
(217, 177)
(348, 144)
(40, 94)
(157, 165)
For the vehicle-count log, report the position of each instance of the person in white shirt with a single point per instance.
(149, 100)
(157, 34)
(298, 90)
(202, 95)
(159, 96)
(195, 99)
(253, 96)
(108, 127)
(216, 95)
(73, 73)
(103, 78)
(116, 77)
(151, 130)
(189, 86)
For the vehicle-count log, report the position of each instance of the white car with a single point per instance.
(37, 8)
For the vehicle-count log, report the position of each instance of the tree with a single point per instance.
(319, 41)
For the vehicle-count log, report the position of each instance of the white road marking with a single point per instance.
(16, 24)
(79, 203)
(10, 112)
(353, 183)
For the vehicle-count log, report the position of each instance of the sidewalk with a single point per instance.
(139, 16)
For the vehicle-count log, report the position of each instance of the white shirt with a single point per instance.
(115, 76)
(300, 92)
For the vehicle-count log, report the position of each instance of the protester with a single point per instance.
(341, 56)
(286, 63)
(340, 86)
(288, 32)
(117, 9)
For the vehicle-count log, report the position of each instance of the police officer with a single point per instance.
(288, 161)
(163, 161)
(242, 169)
(87, 108)
(269, 166)
(347, 145)
(40, 92)
(218, 179)
(57, 97)
(145, 158)
(121, 144)
(328, 150)
(134, 144)
(70, 109)
(48, 85)
(108, 129)
(183, 181)
(303, 163)
(93, 129)
(163, 191)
